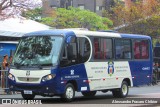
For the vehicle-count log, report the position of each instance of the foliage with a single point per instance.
(149, 26)
(10, 8)
(77, 18)
(34, 14)
(140, 17)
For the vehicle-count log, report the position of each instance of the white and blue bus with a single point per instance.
(60, 62)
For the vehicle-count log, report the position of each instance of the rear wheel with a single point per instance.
(28, 96)
(89, 93)
(122, 92)
(69, 94)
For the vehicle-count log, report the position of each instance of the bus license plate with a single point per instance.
(27, 92)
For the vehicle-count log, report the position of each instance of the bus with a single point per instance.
(61, 62)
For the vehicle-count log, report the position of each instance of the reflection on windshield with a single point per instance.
(38, 50)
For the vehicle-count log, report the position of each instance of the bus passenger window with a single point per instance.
(96, 48)
(136, 50)
(123, 49)
(102, 48)
(141, 50)
(145, 53)
(84, 49)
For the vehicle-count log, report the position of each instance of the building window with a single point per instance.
(102, 48)
(141, 50)
(81, 6)
(103, 8)
(97, 8)
(100, 8)
(123, 49)
(71, 2)
(53, 6)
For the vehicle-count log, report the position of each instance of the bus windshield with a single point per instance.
(38, 50)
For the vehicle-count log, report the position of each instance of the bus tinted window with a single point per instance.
(76, 52)
(84, 49)
(141, 50)
(102, 48)
(123, 49)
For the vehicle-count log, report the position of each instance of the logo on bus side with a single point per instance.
(110, 68)
(72, 72)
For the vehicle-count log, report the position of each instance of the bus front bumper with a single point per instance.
(48, 88)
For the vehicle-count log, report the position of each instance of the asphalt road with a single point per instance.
(102, 99)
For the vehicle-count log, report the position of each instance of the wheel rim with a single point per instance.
(69, 93)
(124, 89)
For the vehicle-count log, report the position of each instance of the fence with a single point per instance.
(4, 81)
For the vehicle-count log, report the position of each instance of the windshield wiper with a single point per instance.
(38, 65)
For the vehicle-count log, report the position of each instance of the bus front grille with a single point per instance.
(28, 79)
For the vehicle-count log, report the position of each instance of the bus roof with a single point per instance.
(72, 32)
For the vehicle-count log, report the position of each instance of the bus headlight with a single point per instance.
(10, 76)
(48, 77)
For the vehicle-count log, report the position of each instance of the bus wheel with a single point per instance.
(89, 93)
(69, 94)
(122, 92)
(28, 96)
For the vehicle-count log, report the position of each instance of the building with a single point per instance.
(96, 6)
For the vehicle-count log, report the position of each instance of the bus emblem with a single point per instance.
(28, 73)
(110, 68)
(72, 72)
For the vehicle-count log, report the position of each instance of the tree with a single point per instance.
(139, 17)
(34, 14)
(14, 7)
(75, 18)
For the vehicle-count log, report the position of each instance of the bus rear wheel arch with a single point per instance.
(121, 92)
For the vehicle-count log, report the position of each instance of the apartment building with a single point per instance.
(96, 6)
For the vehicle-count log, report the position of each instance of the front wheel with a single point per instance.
(69, 94)
(122, 92)
(28, 96)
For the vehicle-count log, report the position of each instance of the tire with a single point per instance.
(89, 93)
(115, 93)
(28, 96)
(121, 92)
(69, 93)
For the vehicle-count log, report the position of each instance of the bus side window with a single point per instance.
(69, 55)
(123, 48)
(76, 52)
(102, 48)
(136, 50)
(144, 45)
(96, 48)
(141, 50)
(84, 49)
